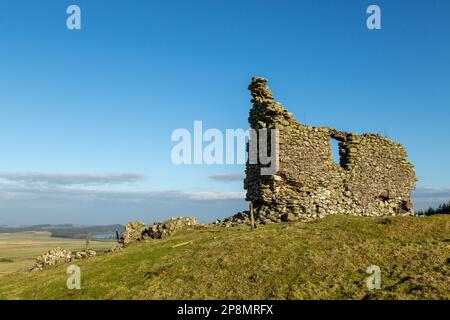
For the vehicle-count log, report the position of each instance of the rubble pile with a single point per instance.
(134, 231)
(138, 231)
(161, 230)
(59, 256)
(239, 219)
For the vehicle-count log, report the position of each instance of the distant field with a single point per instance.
(18, 251)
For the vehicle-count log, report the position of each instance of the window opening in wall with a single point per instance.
(335, 149)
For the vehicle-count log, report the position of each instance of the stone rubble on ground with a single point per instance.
(243, 219)
(239, 219)
(59, 256)
(134, 231)
(84, 254)
(167, 228)
(138, 231)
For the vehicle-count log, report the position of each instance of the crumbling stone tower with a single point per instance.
(374, 177)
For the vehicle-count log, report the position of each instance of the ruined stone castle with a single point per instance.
(374, 177)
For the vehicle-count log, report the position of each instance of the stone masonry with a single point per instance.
(374, 177)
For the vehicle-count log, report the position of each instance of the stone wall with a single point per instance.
(374, 177)
(138, 231)
(59, 256)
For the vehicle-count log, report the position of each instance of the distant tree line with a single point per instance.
(441, 209)
(68, 230)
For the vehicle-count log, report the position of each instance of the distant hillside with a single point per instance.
(326, 259)
(69, 231)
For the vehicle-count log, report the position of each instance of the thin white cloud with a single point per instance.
(216, 195)
(71, 179)
(14, 192)
(227, 177)
(432, 192)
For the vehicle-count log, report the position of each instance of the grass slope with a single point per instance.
(326, 259)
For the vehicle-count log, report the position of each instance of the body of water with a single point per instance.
(104, 236)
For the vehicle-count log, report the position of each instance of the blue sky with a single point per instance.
(86, 115)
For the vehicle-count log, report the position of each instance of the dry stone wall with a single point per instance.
(373, 178)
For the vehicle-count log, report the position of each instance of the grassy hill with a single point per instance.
(326, 259)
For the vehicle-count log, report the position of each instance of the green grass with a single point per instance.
(326, 259)
(18, 251)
